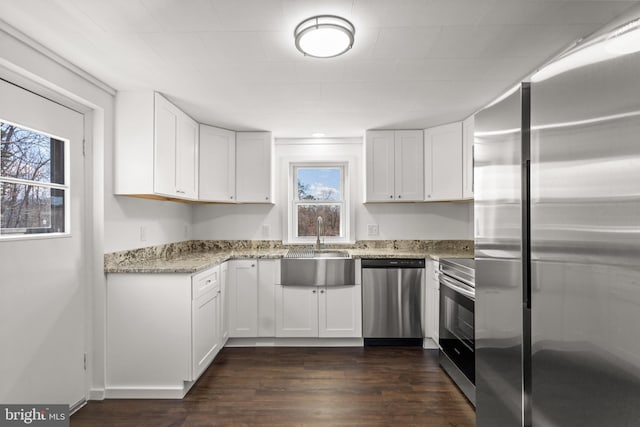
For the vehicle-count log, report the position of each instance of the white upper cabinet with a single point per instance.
(156, 147)
(187, 157)
(379, 146)
(467, 158)
(217, 164)
(409, 166)
(443, 163)
(253, 167)
(394, 166)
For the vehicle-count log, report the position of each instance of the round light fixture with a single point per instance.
(324, 36)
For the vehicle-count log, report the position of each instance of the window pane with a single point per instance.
(319, 183)
(27, 209)
(308, 216)
(30, 155)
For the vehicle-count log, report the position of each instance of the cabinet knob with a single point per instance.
(391, 196)
(428, 196)
(253, 265)
(314, 291)
(322, 291)
(231, 197)
(208, 281)
(266, 198)
(399, 196)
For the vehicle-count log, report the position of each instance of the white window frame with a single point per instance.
(294, 202)
(20, 234)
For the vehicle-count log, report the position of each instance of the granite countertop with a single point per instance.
(194, 256)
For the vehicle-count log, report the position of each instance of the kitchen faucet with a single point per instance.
(319, 225)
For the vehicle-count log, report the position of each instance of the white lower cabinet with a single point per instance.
(243, 298)
(205, 319)
(223, 322)
(251, 297)
(432, 302)
(325, 312)
(297, 311)
(340, 312)
(163, 330)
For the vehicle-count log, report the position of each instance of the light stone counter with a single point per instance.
(196, 255)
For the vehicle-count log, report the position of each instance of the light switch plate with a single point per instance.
(373, 230)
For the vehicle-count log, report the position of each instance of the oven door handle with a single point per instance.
(456, 287)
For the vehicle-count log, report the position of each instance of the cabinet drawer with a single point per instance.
(205, 282)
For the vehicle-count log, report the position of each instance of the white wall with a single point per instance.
(395, 221)
(162, 222)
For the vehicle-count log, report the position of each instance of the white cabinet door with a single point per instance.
(443, 162)
(340, 312)
(165, 138)
(467, 158)
(380, 176)
(243, 298)
(253, 167)
(296, 311)
(205, 312)
(432, 303)
(268, 277)
(217, 164)
(224, 303)
(187, 158)
(409, 165)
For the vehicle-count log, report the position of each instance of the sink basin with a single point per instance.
(331, 254)
(317, 268)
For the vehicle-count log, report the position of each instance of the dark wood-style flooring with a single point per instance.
(367, 386)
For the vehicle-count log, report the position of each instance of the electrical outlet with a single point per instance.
(373, 230)
(143, 233)
(265, 230)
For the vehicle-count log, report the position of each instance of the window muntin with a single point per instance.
(318, 191)
(33, 188)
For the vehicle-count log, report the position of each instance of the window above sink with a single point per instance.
(318, 190)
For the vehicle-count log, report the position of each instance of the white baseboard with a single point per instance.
(148, 392)
(295, 342)
(96, 394)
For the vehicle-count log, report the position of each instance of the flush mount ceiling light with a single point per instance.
(324, 36)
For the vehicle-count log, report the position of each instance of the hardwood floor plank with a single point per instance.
(361, 386)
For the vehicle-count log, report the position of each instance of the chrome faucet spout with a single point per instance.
(319, 226)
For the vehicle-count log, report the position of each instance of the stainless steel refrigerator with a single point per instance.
(557, 223)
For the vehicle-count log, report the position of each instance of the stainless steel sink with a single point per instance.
(317, 268)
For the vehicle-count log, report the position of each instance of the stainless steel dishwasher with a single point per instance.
(393, 301)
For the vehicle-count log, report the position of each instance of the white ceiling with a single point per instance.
(232, 63)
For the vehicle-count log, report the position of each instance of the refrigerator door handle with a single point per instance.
(457, 287)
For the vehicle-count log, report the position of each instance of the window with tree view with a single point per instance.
(319, 192)
(32, 182)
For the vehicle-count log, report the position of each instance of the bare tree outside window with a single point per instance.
(32, 187)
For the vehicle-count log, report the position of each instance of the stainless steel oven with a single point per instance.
(457, 333)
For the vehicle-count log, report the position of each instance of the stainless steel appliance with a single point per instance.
(457, 338)
(393, 301)
(557, 212)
